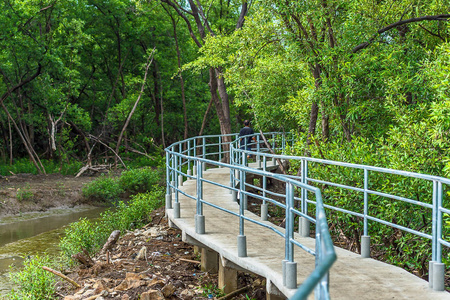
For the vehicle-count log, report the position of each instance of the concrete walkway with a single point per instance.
(351, 276)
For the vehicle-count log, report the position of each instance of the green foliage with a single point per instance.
(24, 193)
(84, 234)
(210, 290)
(399, 248)
(105, 188)
(23, 165)
(140, 180)
(33, 282)
(91, 235)
(134, 213)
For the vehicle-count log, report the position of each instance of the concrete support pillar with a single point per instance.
(272, 292)
(242, 246)
(197, 250)
(168, 201)
(180, 180)
(274, 297)
(189, 173)
(304, 227)
(438, 276)
(200, 224)
(264, 211)
(365, 246)
(209, 261)
(172, 224)
(430, 274)
(172, 190)
(227, 278)
(176, 210)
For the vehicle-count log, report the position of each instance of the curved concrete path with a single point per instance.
(351, 276)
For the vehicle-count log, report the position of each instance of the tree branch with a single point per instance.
(188, 23)
(400, 23)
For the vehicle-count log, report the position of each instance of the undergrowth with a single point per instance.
(91, 235)
(33, 282)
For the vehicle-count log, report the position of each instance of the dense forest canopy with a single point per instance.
(362, 81)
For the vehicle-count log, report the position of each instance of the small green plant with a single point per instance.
(24, 193)
(61, 188)
(33, 282)
(104, 188)
(213, 290)
(247, 297)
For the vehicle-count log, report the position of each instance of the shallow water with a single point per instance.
(34, 233)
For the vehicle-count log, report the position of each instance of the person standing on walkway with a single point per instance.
(246, 137)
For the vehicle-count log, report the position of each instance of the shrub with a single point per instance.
(24, 193)
(33, 282)
(135, 213)
(84, 234)
(140, 180)
(91, 236)
(104, 188)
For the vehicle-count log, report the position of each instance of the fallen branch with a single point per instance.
(62, 276)
(111, 240)
(190, 260)
(96, 168)
(235, 293)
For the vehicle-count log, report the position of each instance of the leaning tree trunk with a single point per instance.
(149, 61)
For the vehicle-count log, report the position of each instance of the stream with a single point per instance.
(34, 233)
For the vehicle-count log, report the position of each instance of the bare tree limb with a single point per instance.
(149, 62)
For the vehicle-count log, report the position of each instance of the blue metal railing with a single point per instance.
(188, 159)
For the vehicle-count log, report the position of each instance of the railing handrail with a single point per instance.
(238, 162)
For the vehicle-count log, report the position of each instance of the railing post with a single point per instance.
(365, 238)
(264, 205)
(290, 267)
(194, 166)
(220, 149)
(231, 172)
(176, 205)
(199, 217)
(438, 276)
(242, 239)
(243, 178)
(168, 188)
(258, 149)
(304, 224)
(189, 171)
(204, 153)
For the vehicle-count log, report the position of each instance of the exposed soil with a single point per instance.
(26, 192)
(152, 263)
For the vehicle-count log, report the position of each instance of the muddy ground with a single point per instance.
(167, 268)
(152, 263)
(26, 192)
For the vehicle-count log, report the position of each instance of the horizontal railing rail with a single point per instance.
(187, 158)
(435, 203)
(184, 160)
